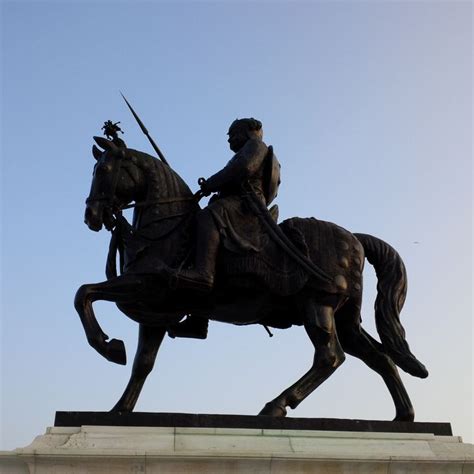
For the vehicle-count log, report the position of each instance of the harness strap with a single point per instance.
(170, 200)
(116, 244)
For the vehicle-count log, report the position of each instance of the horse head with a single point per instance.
(115, 183)
(122, 175)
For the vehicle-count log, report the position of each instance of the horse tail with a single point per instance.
(391, 293)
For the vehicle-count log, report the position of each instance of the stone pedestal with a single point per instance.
(150, 450)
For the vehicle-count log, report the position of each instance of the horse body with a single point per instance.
(162, 237)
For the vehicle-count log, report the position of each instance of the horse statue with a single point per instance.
(269, 289)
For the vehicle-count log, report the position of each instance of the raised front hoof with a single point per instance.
(272, 409)
(115, 352)
(407, 416)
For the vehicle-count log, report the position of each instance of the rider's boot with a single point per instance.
(201, 277)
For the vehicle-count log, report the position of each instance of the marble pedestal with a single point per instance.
(153, 450)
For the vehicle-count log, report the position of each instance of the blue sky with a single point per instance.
(369, 108)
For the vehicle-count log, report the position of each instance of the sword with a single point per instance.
(281, 239)
(145, 131)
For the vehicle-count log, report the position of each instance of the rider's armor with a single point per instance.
(255, 165)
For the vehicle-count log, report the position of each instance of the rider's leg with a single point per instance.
(208, 240)
(201, 277)
(207, 245)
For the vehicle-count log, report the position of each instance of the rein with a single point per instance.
(196, 197)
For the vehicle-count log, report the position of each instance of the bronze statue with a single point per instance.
(232, 262)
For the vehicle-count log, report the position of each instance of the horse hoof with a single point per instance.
(271, 409)
(116, 352)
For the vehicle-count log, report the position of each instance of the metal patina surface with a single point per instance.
(181, 266)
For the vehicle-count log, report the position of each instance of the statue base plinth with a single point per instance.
(151, 449)
(193, 420)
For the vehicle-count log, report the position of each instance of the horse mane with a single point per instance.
(163, 180)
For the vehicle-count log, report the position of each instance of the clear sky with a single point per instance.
(369, 108)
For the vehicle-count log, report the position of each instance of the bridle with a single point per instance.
(110, 197)
(116, 210)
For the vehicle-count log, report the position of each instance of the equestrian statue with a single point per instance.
(181, 266)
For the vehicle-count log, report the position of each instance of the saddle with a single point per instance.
(321, 242)
(270, 268)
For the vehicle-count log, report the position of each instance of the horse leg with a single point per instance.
(358, 343)
(149, 341)
(122, 289)
(320, 327)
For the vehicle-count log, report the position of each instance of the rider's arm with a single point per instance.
(242, 166)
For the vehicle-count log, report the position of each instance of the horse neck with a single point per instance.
(165, 191)
(167, 226)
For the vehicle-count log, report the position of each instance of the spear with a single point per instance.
(145, 131)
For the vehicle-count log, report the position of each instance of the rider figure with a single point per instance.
(225, 218)
(111, 130)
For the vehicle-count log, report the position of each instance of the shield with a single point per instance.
(271, 176)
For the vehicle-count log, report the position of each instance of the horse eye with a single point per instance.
(103, 169)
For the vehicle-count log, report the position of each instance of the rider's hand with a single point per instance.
(204, 188)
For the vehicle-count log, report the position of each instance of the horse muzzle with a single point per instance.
(98, 215)
(93, 217)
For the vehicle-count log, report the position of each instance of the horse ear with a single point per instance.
(105, 144)
(96, 152)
